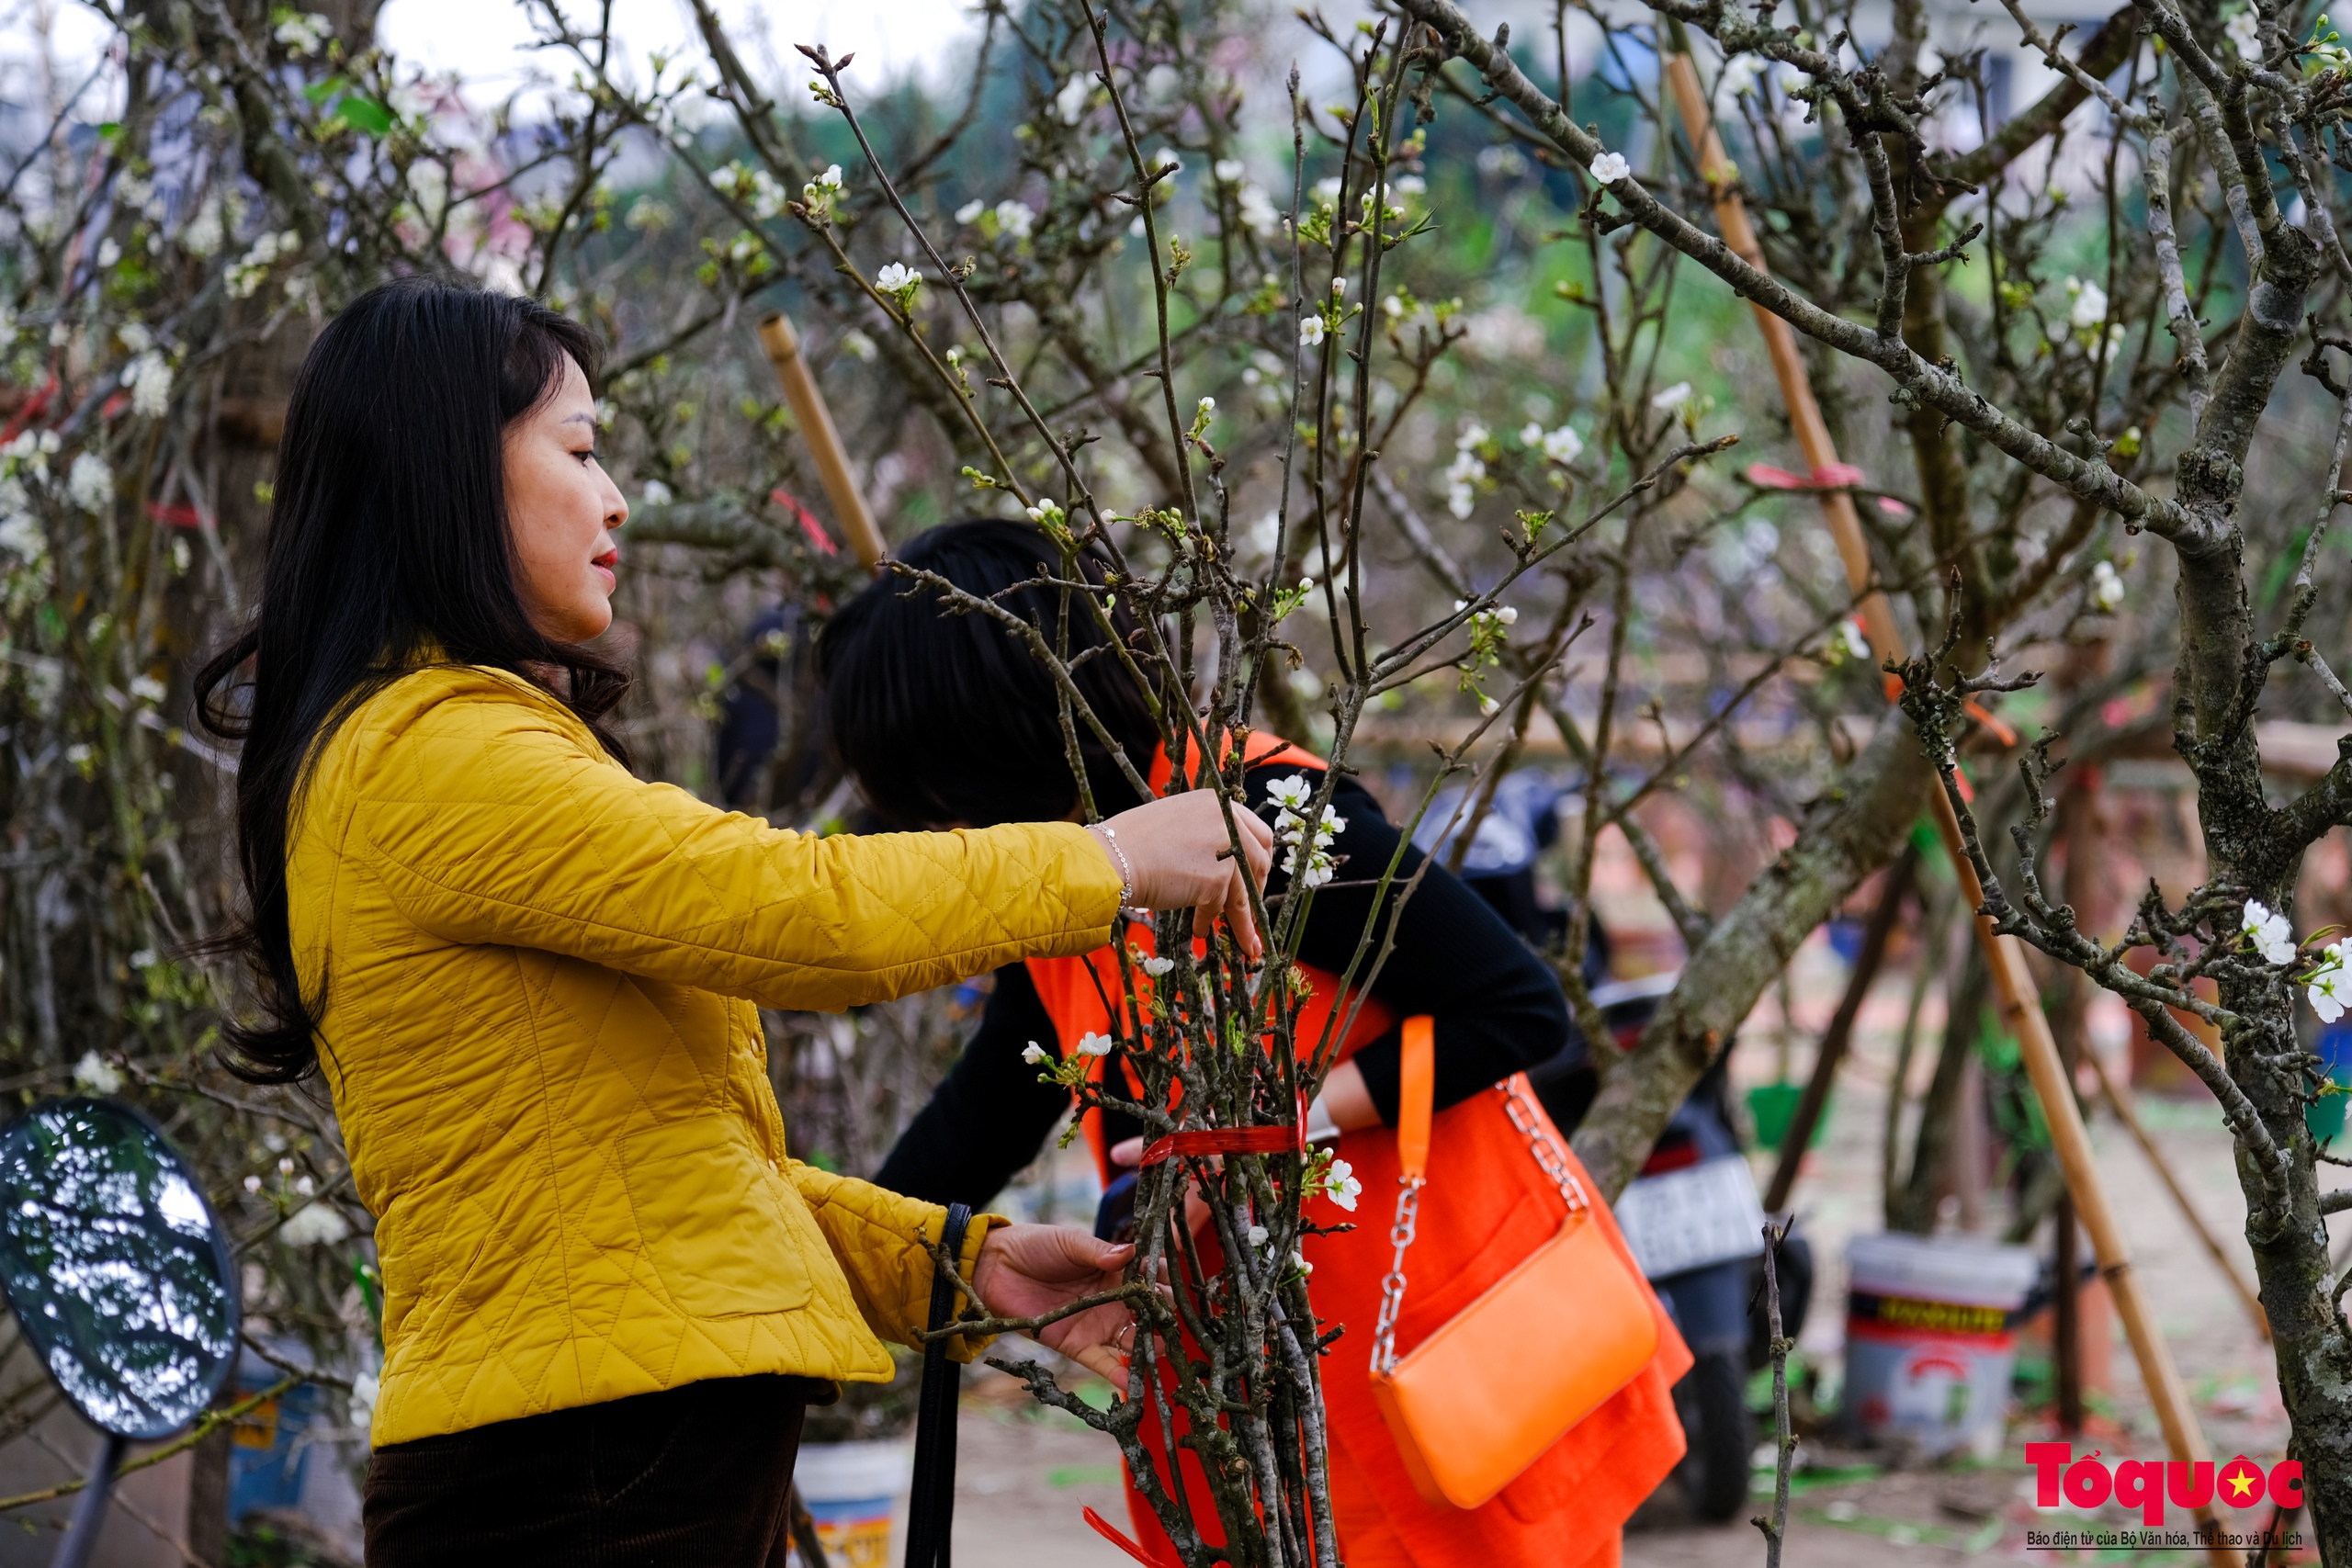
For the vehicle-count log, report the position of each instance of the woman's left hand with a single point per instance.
(1027, 1269)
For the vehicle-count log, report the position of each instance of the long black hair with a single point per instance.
(950, 719)
(387, 540)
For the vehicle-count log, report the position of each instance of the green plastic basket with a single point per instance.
(1772, 1106)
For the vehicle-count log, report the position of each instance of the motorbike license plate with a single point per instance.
(1685, 1219)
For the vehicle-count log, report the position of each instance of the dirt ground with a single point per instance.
(1026, 1475)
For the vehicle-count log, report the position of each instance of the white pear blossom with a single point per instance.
(1257, 211)
(95, 1075)
(20, 533)
(2244, 32)
(1015, 219)
(1035, 1054)
(1473, 435)
(90, 483)
(253, 1183)
(1848, 644)
(1072, 101)
(1094, 1045)
(318, 1225)
(149, 377)
(1340, 1186)
(1310, 330)
(897, 278)
(1338, 288)
(1298, 1261)
(203, 233)
(1156, 967)
(148, 690)
(1561, 446)
(657, 493)
(1308, 859)
(2329, 987)
(2107, 588)
(767, 197)
(1258, 1235)
(1290, 794)
(2090, 303)
(1673, 398)
(303, 35)
(1611, 167)
(1228, 171)
(2271, 935)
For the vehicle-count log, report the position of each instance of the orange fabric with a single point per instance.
(1494, 1207)
(1415, 1094)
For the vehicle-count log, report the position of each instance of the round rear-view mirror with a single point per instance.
(120, 1275)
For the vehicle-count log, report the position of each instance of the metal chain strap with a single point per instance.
(1549, 1157)
(1392, 1284)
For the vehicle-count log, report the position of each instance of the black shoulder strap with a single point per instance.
(930, 1510)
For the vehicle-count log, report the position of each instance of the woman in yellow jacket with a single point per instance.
(532, 979)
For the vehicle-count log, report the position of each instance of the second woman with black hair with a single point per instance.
(949, 721)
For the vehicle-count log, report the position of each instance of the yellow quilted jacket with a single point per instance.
(536, 978)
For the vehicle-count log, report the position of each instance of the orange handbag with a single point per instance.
(1487, 1393)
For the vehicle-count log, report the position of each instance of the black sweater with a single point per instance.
(1496, 1008)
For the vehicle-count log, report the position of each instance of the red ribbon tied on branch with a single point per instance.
(1289, 1140)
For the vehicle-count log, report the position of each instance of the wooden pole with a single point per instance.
(783, 346)
(2013, 986)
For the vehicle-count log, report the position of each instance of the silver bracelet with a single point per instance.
(1126, 872)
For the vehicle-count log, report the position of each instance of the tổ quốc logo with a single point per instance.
(2151, 1486)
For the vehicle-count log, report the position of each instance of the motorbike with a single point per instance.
(1692, 1217)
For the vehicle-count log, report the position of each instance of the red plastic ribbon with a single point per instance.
(1224, 1141)
(1829, 476)
(808, 520)
(1104, 1528)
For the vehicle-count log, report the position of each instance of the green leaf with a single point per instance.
(365, 115)
(320, 92)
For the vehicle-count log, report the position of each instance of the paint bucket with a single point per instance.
(853, 1491)
(1930, 1339)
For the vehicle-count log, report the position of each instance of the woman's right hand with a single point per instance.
(1181, 857)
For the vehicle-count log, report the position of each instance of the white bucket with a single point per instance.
(1930, 1339)
(853, 1491)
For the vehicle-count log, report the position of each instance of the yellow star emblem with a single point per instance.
(2240, 1484)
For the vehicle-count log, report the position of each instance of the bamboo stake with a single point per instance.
(2004, 956)
(2120, 1098)
(783, 346)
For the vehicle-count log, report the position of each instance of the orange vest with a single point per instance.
(1487, 1206)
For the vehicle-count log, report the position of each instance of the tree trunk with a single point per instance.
(1845, 838)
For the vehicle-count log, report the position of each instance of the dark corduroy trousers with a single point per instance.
(692, 1477)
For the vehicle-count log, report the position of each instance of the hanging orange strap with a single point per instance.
(1416, 1096)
